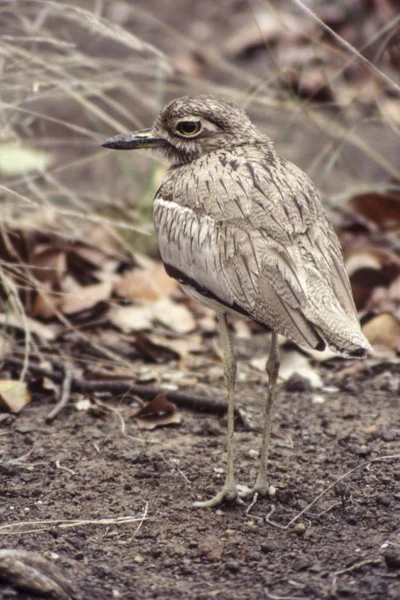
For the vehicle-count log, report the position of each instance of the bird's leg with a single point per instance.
(261, 486)
(229, 491)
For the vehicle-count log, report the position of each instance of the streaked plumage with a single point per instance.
(243, 229)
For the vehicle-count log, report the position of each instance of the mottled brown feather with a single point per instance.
(249, 229)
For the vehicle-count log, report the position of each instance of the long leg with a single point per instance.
(261, 486)
(229, 491)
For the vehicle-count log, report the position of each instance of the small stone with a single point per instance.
(139, 559)
(186, 567)
(299, 529)
(156, 552)
(383, 500)
(179, 551)
(267, 547)
(392, 557)
(302, 563)
(388, 435)
(233, 566)
(253, 453)
(211, 427)
(297, 383)
(362, 451)
(318, 399)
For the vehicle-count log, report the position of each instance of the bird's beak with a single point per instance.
(131, 141)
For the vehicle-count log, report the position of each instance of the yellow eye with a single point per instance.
(188, 128)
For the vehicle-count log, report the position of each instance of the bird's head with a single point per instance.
(191, 126)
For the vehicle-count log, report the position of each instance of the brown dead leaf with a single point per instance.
(174, 316)
(158, 353)
(146, 284)
(86, 297)
(267, 29)
(394, 291)
(383, 330)
(160, 411)
(369, 268)
(131, 318)
(292, 362)
(381, 210)
(308, 83)
(16, 321)
(46, 302)
(49, 264)
(181, 347)
(13, 395)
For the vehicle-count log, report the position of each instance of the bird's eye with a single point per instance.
(188, 128)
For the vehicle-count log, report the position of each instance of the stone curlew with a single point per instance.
(244, 231)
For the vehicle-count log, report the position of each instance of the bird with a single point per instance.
(244, 231)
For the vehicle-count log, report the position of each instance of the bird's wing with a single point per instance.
(253, 234)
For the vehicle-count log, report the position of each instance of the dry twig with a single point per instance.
(181, 399)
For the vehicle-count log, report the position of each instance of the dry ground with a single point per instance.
(81, 467)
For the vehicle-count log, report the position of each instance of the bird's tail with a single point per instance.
(341, 333)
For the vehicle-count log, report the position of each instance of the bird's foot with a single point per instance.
(229, 493)
(261, 489)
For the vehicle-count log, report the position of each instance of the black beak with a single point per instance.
(131, 141)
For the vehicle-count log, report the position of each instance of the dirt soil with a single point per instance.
(81, 467)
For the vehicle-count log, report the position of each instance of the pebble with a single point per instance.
(299, 529)
(267, 547)
(383, 500)
(388, 435)
(392, 557)
(233, 566)
(302, 563)
(362, 451)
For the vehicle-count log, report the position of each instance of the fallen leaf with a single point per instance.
(370, 267)
(267, 29)
(13, 395)
(131, 318)
(86, 297)
(188, 344)
(46, 303)
(16, 321)
(177, 317)
(160, 411)
(149, 284)
(383, 330)
(379, 208)
(292, 362)
(307, 83)
(158, 353)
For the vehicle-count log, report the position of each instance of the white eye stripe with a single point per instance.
(210, 126)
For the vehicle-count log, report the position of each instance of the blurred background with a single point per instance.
(320, 78)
